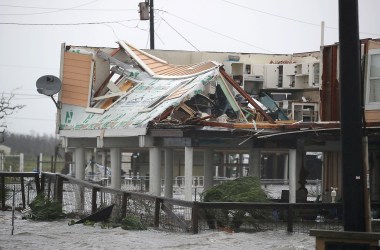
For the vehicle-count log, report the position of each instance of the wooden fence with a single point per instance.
(82, 197)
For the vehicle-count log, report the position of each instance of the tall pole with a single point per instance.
(351, 117)
(151, 22)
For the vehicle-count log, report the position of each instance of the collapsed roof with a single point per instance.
(124, 88)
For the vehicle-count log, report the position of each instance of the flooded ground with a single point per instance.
(58, 235)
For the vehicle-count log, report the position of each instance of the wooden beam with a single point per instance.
(245, 95)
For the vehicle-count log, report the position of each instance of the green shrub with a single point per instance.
(131, 222)
(246, 189)
(44, 209)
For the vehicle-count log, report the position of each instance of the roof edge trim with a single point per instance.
(145, 53)
(129, 132)
(125, 46)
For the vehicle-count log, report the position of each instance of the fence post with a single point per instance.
(195, 217)
(49, 187)
(157, 208)
(23, 192)
(124, 204)
(51, 164)
(93, 199)
(59, 189)
(37, 181)
(42, 187)
(38, 163)
(290, 217)
(3, 193)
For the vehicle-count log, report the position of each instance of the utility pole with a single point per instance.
(148, 15)
(351, 117)
(151, 24)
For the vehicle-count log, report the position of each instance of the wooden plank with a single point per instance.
(74, 95)
(155, 64)
(59, 189)
(77, 70)
(161, 69)
(93, 199)
(144, 57)
(38, 184)
(23, 193)
(124, 204)
(108, 96)
(77, 56)
(77, 77)
(74, 82)
(75, 102)
(74, 63)
(157, 212)
(67, 99)
(3, 196)
(195, 218)
(75, 89)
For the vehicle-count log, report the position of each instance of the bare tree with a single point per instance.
(7, 108)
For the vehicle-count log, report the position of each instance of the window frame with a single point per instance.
(370, 105)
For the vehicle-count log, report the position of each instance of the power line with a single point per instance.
(31, 98)
(53, 11)
(21, 94)
(180, 34)
(24, 66)
(29, 118)
(216, 32)
(270, 14)
(288, 18)
(61, 9)
(66, 24)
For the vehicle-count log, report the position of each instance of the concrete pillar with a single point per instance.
(168, 190)
(40, 163)
(21, 162)
(208, 168)
(79, 163)
(155, 171)
(292, 175)
(80, 166)
(115, 168)
(254, 162)
(188, 173)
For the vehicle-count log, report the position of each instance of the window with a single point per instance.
(373, 80)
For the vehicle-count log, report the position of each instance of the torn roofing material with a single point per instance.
(160, 68)
(126, 88)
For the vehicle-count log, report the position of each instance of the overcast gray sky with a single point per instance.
(270, 26)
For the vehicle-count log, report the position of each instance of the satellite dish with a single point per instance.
(48, 85)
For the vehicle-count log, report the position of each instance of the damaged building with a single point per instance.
(195, 120)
